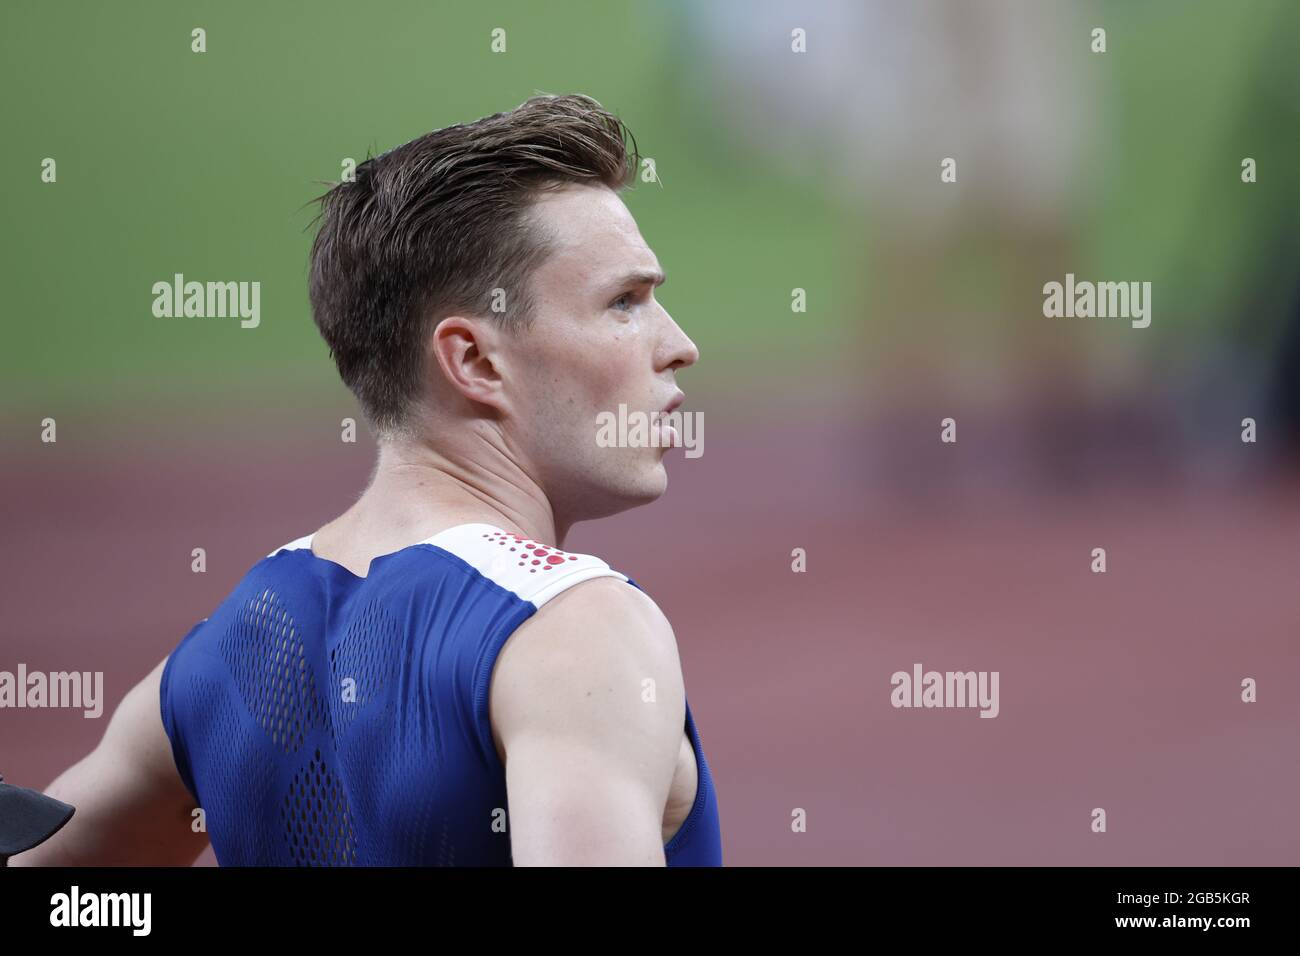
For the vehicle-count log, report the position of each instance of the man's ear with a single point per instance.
(467, 353)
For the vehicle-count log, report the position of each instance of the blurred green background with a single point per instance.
(205, 164)
(778, 171)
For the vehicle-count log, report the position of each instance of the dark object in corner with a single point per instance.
(28, 818)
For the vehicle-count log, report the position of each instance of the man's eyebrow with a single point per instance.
(638, 277)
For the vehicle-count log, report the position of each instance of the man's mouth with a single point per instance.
(669, 437)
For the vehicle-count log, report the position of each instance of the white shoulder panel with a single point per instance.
(535, 572)
(294, 545)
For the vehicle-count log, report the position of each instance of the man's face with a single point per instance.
(598, 340)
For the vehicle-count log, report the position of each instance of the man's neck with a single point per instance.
(416, 484)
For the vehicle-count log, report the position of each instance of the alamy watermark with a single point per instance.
(83, 690)
(208, 300)
(632, 429)
(129, 910)
(1102, 300)
(946, 689)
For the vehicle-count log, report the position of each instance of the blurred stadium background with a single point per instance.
(778, 171)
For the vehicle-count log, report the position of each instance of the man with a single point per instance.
(429, 678)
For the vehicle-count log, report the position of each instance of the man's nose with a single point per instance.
(680, 351)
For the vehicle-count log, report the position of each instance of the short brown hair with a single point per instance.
(433, 227)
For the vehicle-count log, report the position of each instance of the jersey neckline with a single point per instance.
(305, 542)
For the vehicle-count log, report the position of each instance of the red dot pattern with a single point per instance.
(543, 557)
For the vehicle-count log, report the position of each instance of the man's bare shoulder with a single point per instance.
(588, 712)
(593, 657)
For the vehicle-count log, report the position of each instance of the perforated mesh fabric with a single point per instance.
(368, 658)
(317, 824)
(265, 654)
(268, 662)
(368, 730)
(234, 771)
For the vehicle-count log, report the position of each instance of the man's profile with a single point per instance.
(429, 678)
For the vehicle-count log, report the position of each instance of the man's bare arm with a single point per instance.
(132, 809)
(589, 754)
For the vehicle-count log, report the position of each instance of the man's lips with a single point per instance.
(667, 429)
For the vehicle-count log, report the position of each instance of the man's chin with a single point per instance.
(649, 490)
(612, 501)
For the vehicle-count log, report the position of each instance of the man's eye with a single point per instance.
(623, 302)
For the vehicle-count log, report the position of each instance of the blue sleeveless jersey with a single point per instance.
(323, 719)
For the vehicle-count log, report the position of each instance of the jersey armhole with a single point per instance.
(180, 756)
